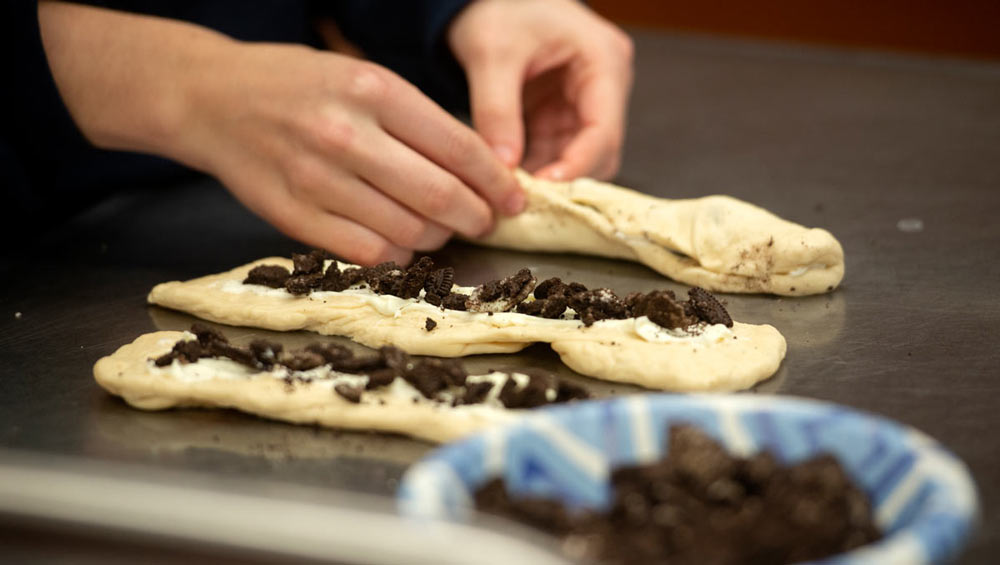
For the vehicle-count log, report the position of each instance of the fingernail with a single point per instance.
(556, 173)
(515, 203)
(504, 153)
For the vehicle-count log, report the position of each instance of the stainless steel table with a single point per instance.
(898, 156)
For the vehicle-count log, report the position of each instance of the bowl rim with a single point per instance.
(901, 546)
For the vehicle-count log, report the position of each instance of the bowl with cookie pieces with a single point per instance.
(715, 478)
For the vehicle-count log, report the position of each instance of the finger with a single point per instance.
(422, 186)
(346, 195)
(341, 236)
(495, 98)
(601, 109)
(550, 128)
(419, 123)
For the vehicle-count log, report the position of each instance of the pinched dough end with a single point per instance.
(717, 242)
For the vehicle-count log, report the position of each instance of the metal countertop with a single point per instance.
(898, 156)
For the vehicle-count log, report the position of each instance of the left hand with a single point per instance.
(549, 82)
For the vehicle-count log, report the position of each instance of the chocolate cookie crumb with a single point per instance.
(502, 295)
(303, 284)
(455, 301)
(381, 377)
(476, 393)
(534, 393)
(708, 308)
(307, 263)
(598, 304)
(349, 393)
(303, 361)
(430, 324)
(333, 279)
(546, 287)
(273, 276)
(662, 308)
(265, 352)
(352, 276)
(438, 285)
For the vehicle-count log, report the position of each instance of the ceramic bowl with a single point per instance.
(923, 496)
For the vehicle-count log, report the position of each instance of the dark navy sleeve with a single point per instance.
(409, 38)
(48, 169)
(35, 123)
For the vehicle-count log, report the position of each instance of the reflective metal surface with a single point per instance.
(899, 157)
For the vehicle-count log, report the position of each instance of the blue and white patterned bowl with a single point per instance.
(923, 496)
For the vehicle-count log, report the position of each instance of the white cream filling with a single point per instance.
(389, 305)
(652, 332)
(803, 270)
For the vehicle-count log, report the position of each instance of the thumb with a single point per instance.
(495, 97)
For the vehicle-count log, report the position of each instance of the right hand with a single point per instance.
(336, 152)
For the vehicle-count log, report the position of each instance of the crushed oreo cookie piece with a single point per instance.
(702, 505)
(273, 276)
(451, 370)
(454, 301)
(184, 351)
(476, 393)
(430, 324)
(308, 263)
(662, 308)
(266, 353)
(708, 307)
(426, 380)
(552, 307)
(386, 278)
(379, 378)
(438, 285)
(303, 361)
(598, 304)
(303, 284)
(556, 287)
(415, 277)
(333, 279)
(502, 295)
(352, 276)
(348, 392)
(535, 392)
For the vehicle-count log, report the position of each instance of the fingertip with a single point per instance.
(556, 172)
(506, 154)
(515, 202)
(400, 256)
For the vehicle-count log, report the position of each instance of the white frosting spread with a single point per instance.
(805, 269)
(702, 333)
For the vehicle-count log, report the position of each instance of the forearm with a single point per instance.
(125, 78)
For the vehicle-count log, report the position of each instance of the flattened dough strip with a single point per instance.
(128, 373)
(716, 242)
(605, 350)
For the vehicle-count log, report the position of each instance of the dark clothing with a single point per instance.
(46, 165)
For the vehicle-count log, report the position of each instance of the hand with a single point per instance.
(549, 82)
(336, 152)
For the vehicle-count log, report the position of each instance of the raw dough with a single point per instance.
(130, 374)
(716, 242)
(723, 360)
